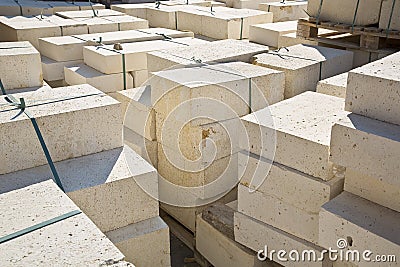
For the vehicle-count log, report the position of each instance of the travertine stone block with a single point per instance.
(54, 70)
(98, 24)
(103, 185)
(240, 86)
(276, 212)
(269, 33)
(80, 109)
(364, 224)
(134, 9)
(373, 189)
(302, 126)
(227, 23)
(21, 65)
(145, 243)
(89, 14)
(343, 11)
(289, 185)
(305, 65)
(285, 11)
(368, 146)
(256, 235)
(107, 60)
(335, 86)
(213, 52)
(27, 29)
(373, 90)
(68, 26)
(107, 83)
(216, 242)
(66, 48)
(145, 148)
(76, 235)
(137, 111)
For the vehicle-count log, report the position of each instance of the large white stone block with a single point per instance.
(107, 83)
(363, 224)
(67, 26)
(285, 11)
(137, 111)
(145, 243)
(212, 52)
(145, 148)
(21, 65)
(74, 121)
(373, 189)
(66, 48)
(107, 60)
(222, 22)
(368, 146)
(335, 86)
(302, 128)
(215, 240)
(54, 70)
(56, 243)
(343, 11)
(89, 13)
(238, 85)
(27, 29)
(256, 235)
(305, 65)
(276, 212)
(373, 90)
(289, 185)
(102, 185)
(269, 33)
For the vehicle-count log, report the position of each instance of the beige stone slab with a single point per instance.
(386, 11)
(278, 213)
(68, 26)
(85, 110)
(373, 89)
(238, 85)
(66, 48)
(291, 39)
(23, 65)
(269, 33)
(138, 113)
(107, 60)
(285, 11)
(343, 11)
(55, 243)
(98, 24)
(54, 70)
(373, 189)
(126, 23)
(227, 23)
(102, 185)
(256, 235)
(219, 248)
(134, 9)
(368, 146)
(145, 243)
(27, 29)
(285, 184)
(367, 225)
(335, 86)
(88, 14)
(305, 65)
(302, 128)
(213, 52)
(145, 148)
(107, 83)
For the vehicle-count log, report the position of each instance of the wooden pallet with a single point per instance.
(370, 39)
